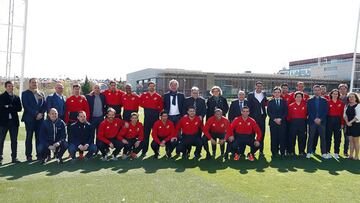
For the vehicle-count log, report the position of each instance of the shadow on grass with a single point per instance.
(151, 165)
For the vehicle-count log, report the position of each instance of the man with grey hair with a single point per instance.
(237, 105)
(174, 101)
(196, 101)
(57, 100)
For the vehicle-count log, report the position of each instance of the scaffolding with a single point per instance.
(13, 22)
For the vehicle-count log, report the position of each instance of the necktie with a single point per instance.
(195, 104)
(173, 101)
(241, 105)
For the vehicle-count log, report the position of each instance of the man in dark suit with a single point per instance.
(97, 106)
(34, 109)
(197, 102)
(10, 105)
(257, 102)
(57, 100)
(317, 109)
(174, 101)
(237, 105)
(277, 111)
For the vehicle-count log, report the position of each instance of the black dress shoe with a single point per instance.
(15, 161)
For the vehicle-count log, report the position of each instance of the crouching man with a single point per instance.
(108, 131)
(241, 133)
(52, 137)
(163, 134)
(81, 137)
(132, 137)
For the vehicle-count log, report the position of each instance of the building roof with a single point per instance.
(323, 59)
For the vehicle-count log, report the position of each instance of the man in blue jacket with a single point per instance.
(81, 137)
(277, 111)
(34, 105)
(317, 108)
(52, 137)
(57, 101)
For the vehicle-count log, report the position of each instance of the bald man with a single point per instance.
(57, 100)
(52, 137)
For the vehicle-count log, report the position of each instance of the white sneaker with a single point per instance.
(104, 158)
(336, 156)
(308, 155)
(324, 156)
(329, 156)
(113, 158)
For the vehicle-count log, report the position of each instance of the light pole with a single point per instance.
(354, 57)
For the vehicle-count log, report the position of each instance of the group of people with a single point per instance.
(108, 122)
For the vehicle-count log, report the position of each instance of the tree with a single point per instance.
(86, 88)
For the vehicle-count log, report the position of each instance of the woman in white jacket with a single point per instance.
(352, 119)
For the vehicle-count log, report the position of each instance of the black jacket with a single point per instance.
(9, 104)
(200, 105)
(212, 104)
(256, 106)
(47, 135)
(235, 109)
(275, 111)
(180, 99)
(80, 133)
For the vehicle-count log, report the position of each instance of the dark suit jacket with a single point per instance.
(180, 99)
(91, 100)
(275, 111)
(256, 106)
(13, 106)
(200, 105)
(31, 108)
(54, 101)
(311, 109)
(212, 104)
(235, 109)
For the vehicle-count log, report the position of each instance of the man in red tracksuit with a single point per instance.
(132, 136)
(113, 98)
(215, 128)
(130, 102)
(153, 104)
(240, 134)
(163, 135)
(74, 104)
(189, 125)
(107, 135)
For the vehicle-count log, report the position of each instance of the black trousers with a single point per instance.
(44, 152)
(13, 131)
(333, 126)
(130, 147)
(150, 117)
(104, 148)
(298, 129)
(169, 146)
(241, 141)
(261, 122)
(32, 128)
(215, 136)
(278, 138)
(187, 141)
(127, 114)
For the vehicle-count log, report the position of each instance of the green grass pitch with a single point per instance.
(149, 180)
